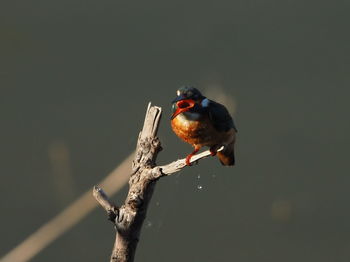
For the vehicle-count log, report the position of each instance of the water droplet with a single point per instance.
(199, 187)
(157, 204)
(148, 224)
(199, 177)
(213, 176)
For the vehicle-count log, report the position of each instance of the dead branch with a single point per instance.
(128, 219)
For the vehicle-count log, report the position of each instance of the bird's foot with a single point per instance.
(212, 153)
(188, 160)
(213, 150)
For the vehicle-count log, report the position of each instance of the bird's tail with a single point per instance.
(227, 156)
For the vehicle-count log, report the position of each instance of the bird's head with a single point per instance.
(187, 98)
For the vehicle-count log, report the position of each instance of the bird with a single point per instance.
(201, 122)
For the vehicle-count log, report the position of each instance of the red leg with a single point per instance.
(213, 150)
(188, 158)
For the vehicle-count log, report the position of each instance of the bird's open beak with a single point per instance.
(183, 106)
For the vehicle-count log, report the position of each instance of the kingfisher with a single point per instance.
(201, 122)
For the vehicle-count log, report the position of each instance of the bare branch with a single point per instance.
(130, 216)
(177, 165)
(106, 203)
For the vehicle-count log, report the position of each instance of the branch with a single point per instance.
(105, 202)
(129, 218)
(177, 165)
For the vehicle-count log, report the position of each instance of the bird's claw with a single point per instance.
(188, 160)
(213, 150)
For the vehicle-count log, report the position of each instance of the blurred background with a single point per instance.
(75, 80)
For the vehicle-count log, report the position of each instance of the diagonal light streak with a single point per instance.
(69, 217)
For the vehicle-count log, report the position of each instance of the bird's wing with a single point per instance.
(220, 117)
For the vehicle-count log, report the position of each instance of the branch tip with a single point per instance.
(106, 203)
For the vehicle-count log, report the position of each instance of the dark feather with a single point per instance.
(227, 156)
(220, 117)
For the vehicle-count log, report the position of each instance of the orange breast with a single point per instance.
(194, 132)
